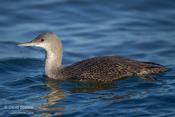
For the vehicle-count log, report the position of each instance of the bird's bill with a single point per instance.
(27, 44)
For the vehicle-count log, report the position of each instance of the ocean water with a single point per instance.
(138, 29)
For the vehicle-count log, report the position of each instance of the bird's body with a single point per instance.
(108, 69)
(101, 69)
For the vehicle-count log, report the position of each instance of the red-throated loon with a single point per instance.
(101, 69)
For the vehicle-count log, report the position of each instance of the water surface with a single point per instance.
(137, 29)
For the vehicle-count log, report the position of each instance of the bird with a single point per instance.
(96, 69)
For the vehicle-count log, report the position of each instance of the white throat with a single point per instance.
(53, 62)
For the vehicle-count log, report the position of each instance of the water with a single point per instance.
(137, 29)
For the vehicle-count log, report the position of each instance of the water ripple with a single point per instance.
(138, 29)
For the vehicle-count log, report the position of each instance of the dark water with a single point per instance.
(138, 29)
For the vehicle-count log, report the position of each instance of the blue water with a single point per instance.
(138, 29)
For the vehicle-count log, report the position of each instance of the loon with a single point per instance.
(98, 69)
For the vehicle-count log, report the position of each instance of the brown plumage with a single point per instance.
(109, 68)
(101, 69)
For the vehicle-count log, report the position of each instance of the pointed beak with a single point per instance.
(27, 44)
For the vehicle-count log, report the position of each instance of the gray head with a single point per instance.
(48, 41)
(53, 47)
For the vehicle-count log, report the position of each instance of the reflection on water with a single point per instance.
(91, 87)
(53, 98)
(53, 106)
(56, 93)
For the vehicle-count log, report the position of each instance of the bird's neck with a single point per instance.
(53, 62)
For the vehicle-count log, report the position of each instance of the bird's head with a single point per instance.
(48, 41)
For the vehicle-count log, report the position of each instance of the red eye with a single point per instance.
(42, 40)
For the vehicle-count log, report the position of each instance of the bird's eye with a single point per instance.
(42, 40)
